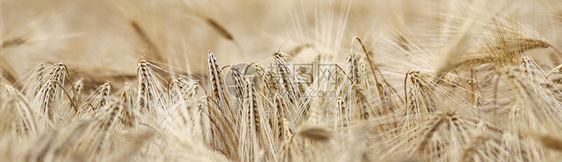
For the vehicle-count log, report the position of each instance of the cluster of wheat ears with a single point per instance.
(480, 97)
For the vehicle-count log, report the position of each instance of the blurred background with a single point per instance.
(103, 40)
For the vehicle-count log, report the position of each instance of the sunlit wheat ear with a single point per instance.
(183, 93)
(217, 86)
(50, 93)
(364, 109)
(289, 147)
(219, 129)
(507, 42)
(390, 100)
(536, 74)
(96, 100)
(280, 108)
(238, 83)
(261, 75)
(253, 131)
(143, 85)
(363, 74)
(503, 43)
(287, 82)
(18, 117)
(183, 88)
(127, 114)
(272, 86)
(150, 92)
(353, 68)
(509, 38)
(420, 99)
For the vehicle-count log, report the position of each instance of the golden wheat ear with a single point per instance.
(151, 96)
(183, 88)
(128, 116)
(217, 86)
(99, 98)
(50, 92)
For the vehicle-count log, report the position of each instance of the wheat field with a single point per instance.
(264, 80)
